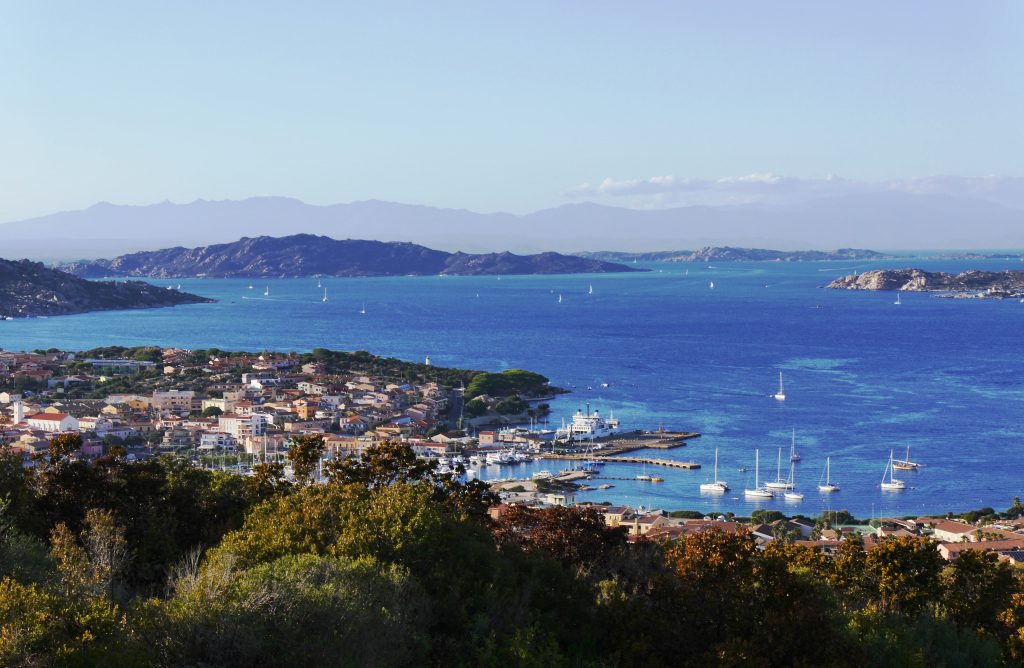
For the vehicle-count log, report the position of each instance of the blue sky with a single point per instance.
(488, 106)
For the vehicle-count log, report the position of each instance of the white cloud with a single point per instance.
(771, 188)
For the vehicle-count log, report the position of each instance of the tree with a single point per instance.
(212, 411)
(977, 587)
(304, 454)
(577, 537)
(905, 572)
(64, 445)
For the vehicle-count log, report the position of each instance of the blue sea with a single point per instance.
(863, 376)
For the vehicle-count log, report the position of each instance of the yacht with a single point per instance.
(897, 302)
(717, 486)
(266, 293)
(711, 285)
(325, 295)
(828, 485)
(791, 494)
(590, 290)
(892, 484)
(363, 310)
(758, 492)
(794, 456)
(781, 394)
(559, 299)
(905, 464)
(779, 482)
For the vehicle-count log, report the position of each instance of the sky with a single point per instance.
(498, 106)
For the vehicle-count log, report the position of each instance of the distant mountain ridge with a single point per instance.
(28, 289)
(888, 220)
(730, 254)
(310, 255)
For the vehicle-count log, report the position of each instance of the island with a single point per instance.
(29, 289)
(731, 254)
(311, 255)
(973, 284)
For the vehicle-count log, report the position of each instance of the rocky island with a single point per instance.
(312, 255)
(29, 289)
(969, 284)
(731, 254)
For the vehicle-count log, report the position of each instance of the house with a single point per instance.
(53, 423)
(174, 401)
(947, 531)
(951, 551)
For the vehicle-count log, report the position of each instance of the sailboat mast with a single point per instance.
(757, 466)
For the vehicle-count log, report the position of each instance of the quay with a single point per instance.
(672, 463)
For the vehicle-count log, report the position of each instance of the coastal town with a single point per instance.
(243, 409)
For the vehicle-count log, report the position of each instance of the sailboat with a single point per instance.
(828, 485)
(644, 475)
(905, 464)
(590, 289)
(779, 482)
(897, 302)
(250, 286)
(781, 394)
(559, 298)
(325, 295)
(794, 456)
(893, 484)
(791, 494)
(266, 293)
(718, 486)
(758, 492)
(319, 284)
(363, 310)
(711, 285)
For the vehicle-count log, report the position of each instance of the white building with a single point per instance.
(53, 423)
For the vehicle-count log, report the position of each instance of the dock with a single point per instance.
(671, 463)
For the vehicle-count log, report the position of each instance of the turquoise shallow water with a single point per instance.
(863, 376)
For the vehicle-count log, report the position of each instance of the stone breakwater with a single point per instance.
(969, 284)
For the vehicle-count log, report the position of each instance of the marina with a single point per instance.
(859, 375)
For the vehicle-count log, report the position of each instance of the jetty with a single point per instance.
(671, 463)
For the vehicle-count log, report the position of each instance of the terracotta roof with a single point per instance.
(54, 417)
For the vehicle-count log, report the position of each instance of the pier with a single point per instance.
(671, 463)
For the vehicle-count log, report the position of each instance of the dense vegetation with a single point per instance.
(159, 564)
(507, 383)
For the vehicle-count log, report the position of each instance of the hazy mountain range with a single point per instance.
(888, 220)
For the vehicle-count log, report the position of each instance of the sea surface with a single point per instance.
(863, 375)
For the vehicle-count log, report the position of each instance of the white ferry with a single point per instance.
(588, 426)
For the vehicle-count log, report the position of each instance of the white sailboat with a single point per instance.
(644, 475)
(319, 283)
(559, 298)
(781, 394)
(266, 293)
(325, 295)
(711, 285)
(794, 456)
(779, 482)
(250, 286)
(590, 289)
(897, 302)
(717, 486)
(363, 310)
(828, 485)
(758, 492)
(892, 484)
(791, 494)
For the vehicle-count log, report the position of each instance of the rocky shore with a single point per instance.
(29, 289)
(973, 284)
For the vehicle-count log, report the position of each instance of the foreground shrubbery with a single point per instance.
(158, 564)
